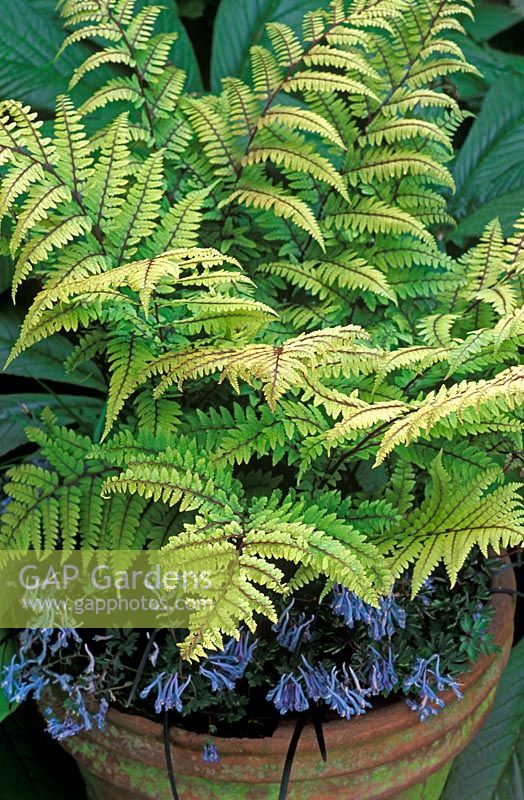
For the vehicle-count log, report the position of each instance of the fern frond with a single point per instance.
(258, 193)
(462, 401)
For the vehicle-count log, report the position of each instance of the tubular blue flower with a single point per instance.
(315, 679)
(347, 605)
(242, 648)
(288, 695)
(427, 680)
(222, 672)
(341, 691)
(386, 618)
(210, 753)
(292, 632)
(382, 673)
(169, 693)
(382, 621)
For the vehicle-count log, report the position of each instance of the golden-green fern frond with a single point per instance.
(278, 368)
(140, 210)
(106, 187)
(386, 164)
(301, 119)
(452, 520)
(55, 233)
(128, 356)
(180, 226)
(296, 155)
(72, 156)
(42, 199)
(108, 56)
(462, 401)
(257, 192)
(213, 133)
(114, 91)
(16, 183)
(373, 216)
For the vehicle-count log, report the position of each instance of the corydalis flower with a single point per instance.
(292, 631)
(339, 689)
(383, 676)
(242, 648)
(210, 754)
(288, 695)
(426, 679)
(224, 669)
(169, 691)
(382, 621)
(77, 717)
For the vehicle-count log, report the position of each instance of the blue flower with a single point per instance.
(382, 621)
(242, 648)
(288, 695)
(210, 754)
(347, 605)
(427, 680)
(340, 690)
(383, 677)
(292, 632)
(169, 693)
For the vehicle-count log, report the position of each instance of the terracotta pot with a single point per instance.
(386, 754)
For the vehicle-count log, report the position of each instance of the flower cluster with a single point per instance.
(291, 632)
(210, 753)
(383, 677)
(224, 669)
(340, 690)
(30, 672)
(426, 679)
(382, 621)
(170, 689)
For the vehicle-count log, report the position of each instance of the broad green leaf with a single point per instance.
(507, 208)
(490, 163)
(493, 64)
(31, 34)
(491, 18)
(7, 651)
(492, 767)
(239, 24)
(19, 410)
(44, 360)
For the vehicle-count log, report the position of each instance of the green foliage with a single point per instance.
(491, 767)
(259, 273)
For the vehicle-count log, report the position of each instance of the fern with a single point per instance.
(261, 276)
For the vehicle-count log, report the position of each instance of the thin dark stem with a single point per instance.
(319, 730)
(169, 760)
(286, 774)
(141, 668)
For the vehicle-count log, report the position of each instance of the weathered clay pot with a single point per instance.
(386, 754)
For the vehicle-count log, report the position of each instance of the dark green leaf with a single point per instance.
(240, 24)
(507, 208)
(490, 19)
(492, 767)
(44, 360)
(30, 36)
(490, 163)
(19, 410)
